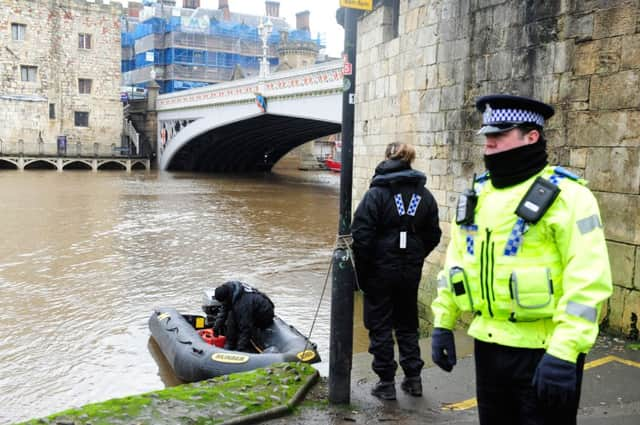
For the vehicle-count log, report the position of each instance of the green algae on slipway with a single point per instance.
(270, 391)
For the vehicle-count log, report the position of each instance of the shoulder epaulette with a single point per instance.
(566, 173)
(482, 177)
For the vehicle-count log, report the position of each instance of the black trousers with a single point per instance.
(389, 307)
(504, 391)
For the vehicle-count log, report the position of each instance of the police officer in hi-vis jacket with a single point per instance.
(528, 258)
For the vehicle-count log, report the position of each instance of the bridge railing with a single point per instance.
(77, 149)
(317, 78)
(130, 131)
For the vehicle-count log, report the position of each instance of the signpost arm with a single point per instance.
(341, 335)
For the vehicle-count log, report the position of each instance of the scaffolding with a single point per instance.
(190, 48)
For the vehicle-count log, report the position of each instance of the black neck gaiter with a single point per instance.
(516, 165)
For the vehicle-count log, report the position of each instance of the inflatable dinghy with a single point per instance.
(189, 347)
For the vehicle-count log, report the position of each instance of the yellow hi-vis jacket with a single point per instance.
(529, 285)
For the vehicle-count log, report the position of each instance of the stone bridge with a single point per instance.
(249, 124)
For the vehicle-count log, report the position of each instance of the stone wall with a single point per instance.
(583, 57)
(51, 44)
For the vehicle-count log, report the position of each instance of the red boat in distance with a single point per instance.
(333, 162)
(333, 165)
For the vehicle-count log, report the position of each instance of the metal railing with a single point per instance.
(73, 149)
(130, 131)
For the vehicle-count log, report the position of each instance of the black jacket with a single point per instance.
(377, 225)
(247, 310)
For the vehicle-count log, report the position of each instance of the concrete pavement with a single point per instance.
(610, 393)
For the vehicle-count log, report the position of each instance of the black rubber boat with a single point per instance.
(193, 359)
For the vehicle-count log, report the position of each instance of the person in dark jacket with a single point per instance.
(245, 312)
(394, 228)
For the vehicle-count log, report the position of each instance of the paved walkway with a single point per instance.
(610, 393)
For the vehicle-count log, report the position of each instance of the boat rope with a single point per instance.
(255, 346)
(343, 242)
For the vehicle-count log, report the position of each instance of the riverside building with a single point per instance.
(188, 47)
(59, 77)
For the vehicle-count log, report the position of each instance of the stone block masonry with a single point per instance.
(46, 48)
(583, 57)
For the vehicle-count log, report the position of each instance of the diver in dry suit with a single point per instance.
(245, 312)
(394, 228)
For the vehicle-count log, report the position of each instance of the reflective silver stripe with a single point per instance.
(580, 310)
(442, 282)
(588, 224)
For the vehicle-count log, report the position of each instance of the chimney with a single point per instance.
(134, 8)
(190, 4)
(224, 5)
(273, 8)
(302, 21)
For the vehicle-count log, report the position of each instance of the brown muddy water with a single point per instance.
(85, 257)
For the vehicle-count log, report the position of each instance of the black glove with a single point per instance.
(555, 381)
(219, 327)
(443, 349)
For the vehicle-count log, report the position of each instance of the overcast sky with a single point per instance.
(322, 18)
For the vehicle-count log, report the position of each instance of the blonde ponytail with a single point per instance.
(400, 151)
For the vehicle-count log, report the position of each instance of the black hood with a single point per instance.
(397, 171)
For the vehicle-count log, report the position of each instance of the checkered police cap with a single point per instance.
(503, 112)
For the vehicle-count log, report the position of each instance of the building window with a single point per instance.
(52, 111)
(84, 41)
(28, 73)
(18, 31)
(84, 86)
(81, 119)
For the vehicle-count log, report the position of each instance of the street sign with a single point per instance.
(357, 4)
(346, 84)
(124, 97)
(347, 68)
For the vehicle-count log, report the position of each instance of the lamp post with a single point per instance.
(341, 336)
(264, 31)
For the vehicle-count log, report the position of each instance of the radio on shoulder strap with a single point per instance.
(537, 200)
(467, 202)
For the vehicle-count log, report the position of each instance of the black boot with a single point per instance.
(384, 390)
(412, 385)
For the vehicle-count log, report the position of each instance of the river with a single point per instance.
(85, 257)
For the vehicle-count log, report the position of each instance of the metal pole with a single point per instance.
(341, 338)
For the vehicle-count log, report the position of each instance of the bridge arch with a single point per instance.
(138, 165)
(8, 164)
(249, 144)
(40, 163)
(112, 165)
(248, 125)
(77, 164)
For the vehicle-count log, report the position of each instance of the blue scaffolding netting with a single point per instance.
(192, 57)
(233, 33)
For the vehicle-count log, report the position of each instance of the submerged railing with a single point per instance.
(73, 149)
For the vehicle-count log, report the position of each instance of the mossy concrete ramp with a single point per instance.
(240, 398)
